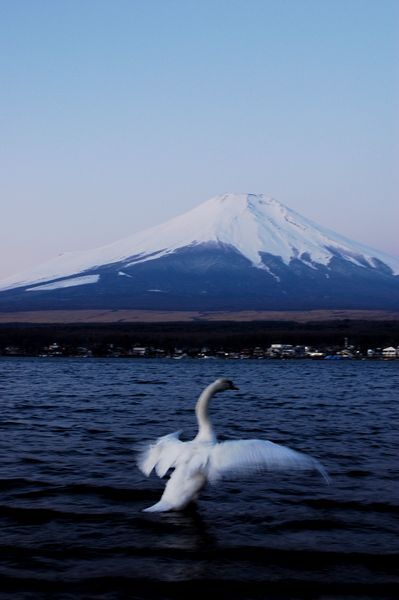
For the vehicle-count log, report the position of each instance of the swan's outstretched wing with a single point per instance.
(161, 455)
(243, 457)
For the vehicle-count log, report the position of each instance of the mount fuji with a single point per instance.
(233, 252)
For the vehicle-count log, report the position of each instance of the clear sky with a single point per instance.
(118, 114)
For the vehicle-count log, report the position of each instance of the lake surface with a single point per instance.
(71, 496)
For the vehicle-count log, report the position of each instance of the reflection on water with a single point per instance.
(71, 497)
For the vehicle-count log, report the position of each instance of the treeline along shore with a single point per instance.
(31, 339)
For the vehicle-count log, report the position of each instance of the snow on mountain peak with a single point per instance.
(252, 223)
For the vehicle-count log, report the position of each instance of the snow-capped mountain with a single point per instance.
(234, 251)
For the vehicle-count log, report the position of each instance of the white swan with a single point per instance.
(205, 460)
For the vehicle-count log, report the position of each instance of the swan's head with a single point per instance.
(224, 384)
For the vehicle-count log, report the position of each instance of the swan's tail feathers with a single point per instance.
(161, 506)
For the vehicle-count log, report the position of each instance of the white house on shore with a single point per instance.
(390, 352)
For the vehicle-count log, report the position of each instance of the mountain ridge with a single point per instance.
(232, 252)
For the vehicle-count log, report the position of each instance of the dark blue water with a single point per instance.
(71, 497)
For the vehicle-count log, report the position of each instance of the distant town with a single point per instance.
(274, 351)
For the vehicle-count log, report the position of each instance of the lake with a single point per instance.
(71, 496)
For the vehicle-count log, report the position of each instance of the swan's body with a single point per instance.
(205, 460)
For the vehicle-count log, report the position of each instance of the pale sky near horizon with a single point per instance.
(117, 115)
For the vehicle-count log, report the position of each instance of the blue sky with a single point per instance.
(116, 115)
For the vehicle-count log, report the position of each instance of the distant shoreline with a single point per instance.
(165, 338)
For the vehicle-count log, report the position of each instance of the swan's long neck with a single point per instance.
(205, 429)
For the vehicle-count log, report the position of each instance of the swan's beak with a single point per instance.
(234, 387)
